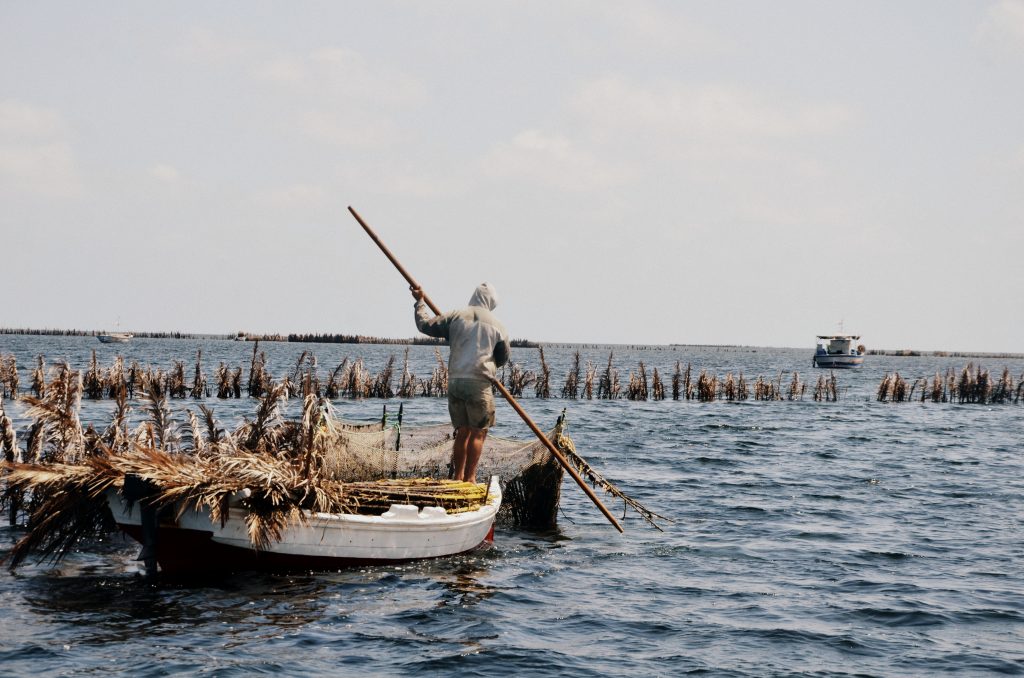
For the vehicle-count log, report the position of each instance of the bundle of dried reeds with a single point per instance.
(767, 390)
(223, 381)
(381, 387)
(38, 386)
(729, 387)
(334, 382)
(608, 387)
(199, 389)
(375, 497)
(438, 382)
(572, 380)
(542, 387)
(115, 379)
(796, 388)
(517, 379)
(133, 378)
(407, 384)
(826, 389)
(657, 386)
(10, 498)
(893, 388)
(8, 376)
(1003, 390)
(176, 386)
(707, 387)
(259, 379)
(637, 388)
(588, 381)
(92, 383)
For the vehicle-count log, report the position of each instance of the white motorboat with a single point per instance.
(190, 542)
(837, 351)
(115, 337)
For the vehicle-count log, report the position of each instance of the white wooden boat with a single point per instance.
(837, 351)
(193, 543)
(115, 337)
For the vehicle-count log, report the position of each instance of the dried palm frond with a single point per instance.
(213, 434)
(11, 498)
(67, 505)
(8, 437)
(116, 434)
(59, 437)
(254, 435)
(163, 431)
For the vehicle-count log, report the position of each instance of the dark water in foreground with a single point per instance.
(850, 538)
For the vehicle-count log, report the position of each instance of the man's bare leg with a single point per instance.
(459, 452)
(474, 448)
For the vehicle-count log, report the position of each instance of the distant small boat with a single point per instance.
(836, 351)
(115, 337)
(241, 336)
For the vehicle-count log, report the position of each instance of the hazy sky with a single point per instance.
(629, 172)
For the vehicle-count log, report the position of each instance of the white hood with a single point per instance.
(485, 296)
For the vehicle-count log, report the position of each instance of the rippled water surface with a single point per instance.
(849, 538)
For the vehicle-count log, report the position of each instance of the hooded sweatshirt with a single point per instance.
(479, 343)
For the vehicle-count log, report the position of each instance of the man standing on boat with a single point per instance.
(478, 345)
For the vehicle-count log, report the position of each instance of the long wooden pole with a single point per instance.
(501, 388)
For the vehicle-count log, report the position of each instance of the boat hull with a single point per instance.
(114, 338)
(192, 543)
(838, 361)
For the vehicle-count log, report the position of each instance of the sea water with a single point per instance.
(809, 538)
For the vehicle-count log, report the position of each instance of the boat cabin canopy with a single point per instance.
(835, 344)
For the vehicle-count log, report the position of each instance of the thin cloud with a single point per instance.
(613, 105)
(294, 196)
(212, 48)
(651, 28)
(553, 160)
(165, 173)
(36, 156)
(348, 128)
(1002, 27)
(344, 74)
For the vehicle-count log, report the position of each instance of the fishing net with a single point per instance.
(529, 475)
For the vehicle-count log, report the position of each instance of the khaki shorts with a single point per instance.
(470, 403)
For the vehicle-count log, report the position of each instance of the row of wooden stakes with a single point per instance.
(352, 379)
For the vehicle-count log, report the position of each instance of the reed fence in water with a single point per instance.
(351, 378)
(972, 384)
